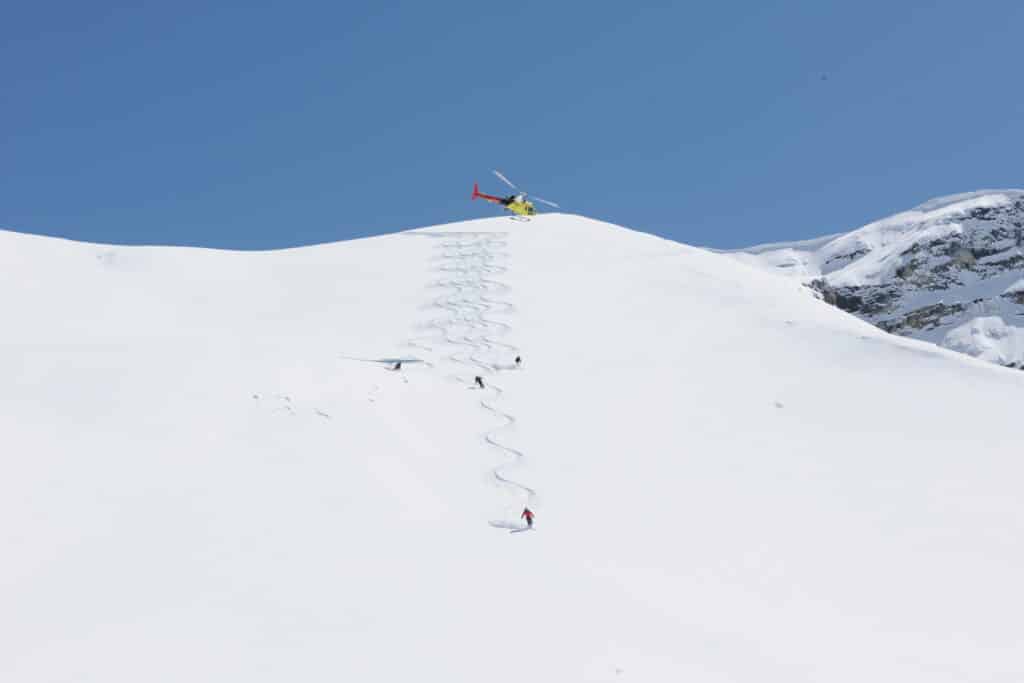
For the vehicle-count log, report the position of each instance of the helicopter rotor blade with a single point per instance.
(507, 181)
(544, 201)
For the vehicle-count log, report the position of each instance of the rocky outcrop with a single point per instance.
(928, 273)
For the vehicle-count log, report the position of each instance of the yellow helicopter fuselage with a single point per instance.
(523, 208)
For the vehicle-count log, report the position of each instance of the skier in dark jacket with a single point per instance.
(528, 516)
(479, 381)
(519, 361)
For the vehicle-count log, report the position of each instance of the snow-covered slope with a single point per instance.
(204, 482)
(950, 271)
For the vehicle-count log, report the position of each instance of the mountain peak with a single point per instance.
(941, 272)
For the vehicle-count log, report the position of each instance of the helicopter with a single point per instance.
(516, 202)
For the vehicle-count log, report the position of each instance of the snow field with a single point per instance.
(734, 482)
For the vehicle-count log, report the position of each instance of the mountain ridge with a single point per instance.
(948, 271)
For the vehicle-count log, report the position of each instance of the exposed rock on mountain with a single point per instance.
(950, 271)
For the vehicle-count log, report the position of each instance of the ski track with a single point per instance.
(468, 265)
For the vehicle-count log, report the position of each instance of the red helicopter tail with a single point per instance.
(488, 197)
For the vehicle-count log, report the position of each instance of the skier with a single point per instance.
(479, 381)
(519, 361)
(528, 516)
(397, 365)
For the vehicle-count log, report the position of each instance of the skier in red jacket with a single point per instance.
(528, 516)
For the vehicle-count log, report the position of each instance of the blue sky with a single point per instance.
(714, 123)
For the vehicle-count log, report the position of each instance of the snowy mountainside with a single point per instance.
(950, 271)
(211, 473)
